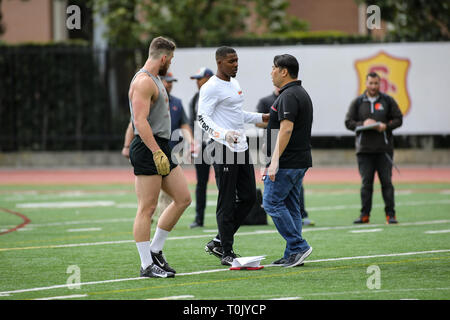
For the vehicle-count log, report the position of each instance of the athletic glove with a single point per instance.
(161, 162)
(232, 137)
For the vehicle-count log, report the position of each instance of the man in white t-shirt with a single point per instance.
(221, 115)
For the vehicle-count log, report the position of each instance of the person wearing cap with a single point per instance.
(201, 167)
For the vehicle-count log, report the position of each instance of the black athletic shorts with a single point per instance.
(141, 157)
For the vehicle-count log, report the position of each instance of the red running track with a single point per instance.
(125, 175)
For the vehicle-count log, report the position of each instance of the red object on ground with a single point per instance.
(23, 224)
(247, 268)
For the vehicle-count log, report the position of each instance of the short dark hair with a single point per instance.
(160, 46)
(372, 75)
(222, 52)
(289, 62)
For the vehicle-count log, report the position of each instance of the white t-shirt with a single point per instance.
(220, 110)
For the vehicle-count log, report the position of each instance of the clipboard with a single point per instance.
(367, 127)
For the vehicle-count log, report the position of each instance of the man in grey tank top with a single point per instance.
(151, 159)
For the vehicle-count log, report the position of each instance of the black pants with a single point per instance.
(202, 171)
(368, 164)
(237, 194)
(303, 211)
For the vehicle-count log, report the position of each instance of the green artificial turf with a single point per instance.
(95, 238)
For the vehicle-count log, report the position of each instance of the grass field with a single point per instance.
(85, 232)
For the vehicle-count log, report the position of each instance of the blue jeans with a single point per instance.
(281, 201)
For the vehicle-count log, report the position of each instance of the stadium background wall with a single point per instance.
(73, 97)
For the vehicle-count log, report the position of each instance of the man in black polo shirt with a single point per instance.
(263, 106)
(289, 149)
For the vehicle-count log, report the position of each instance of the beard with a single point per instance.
(163, 69)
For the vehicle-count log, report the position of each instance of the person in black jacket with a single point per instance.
(374, 147)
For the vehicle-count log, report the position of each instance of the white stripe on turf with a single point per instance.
(250, 233)
(368, 230)
(66, 204)
(437, 231)
(64, 297)
(173, 297)
(220, 270)
(84, 230)
(325, 208)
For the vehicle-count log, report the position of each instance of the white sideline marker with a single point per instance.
(64, 297)
(437, 231)
(84, 230)
(69, 204)
(220, 270)
(173, 298)
(362, 231)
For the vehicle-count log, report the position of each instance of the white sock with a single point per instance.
(158, 240)
(144, 253)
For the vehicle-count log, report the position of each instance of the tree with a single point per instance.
(275, 19)
(189, 22)
(415, 20)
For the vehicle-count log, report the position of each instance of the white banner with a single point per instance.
(417, 75)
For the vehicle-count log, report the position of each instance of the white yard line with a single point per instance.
(374, 291)
(64, 297)
(84, 230)
(134, 205)
(437, 231)
(173, 298)
(66, 204)
(331, 293)
(363, 231)
(379, 205)
(66, 223)
(250, 233)
(219, 270)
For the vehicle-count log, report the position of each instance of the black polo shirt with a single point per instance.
(293, 104)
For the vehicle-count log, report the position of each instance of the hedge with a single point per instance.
(53, 97)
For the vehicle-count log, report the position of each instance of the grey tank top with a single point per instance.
(159, 116)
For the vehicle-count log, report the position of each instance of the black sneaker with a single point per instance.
(215, 248)
(160, 261)
(195, 224)
(153, 271)
(297, 258)
(283, 261)
(228, 258)
(362, 219)
(280, 261)
(391, 220)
